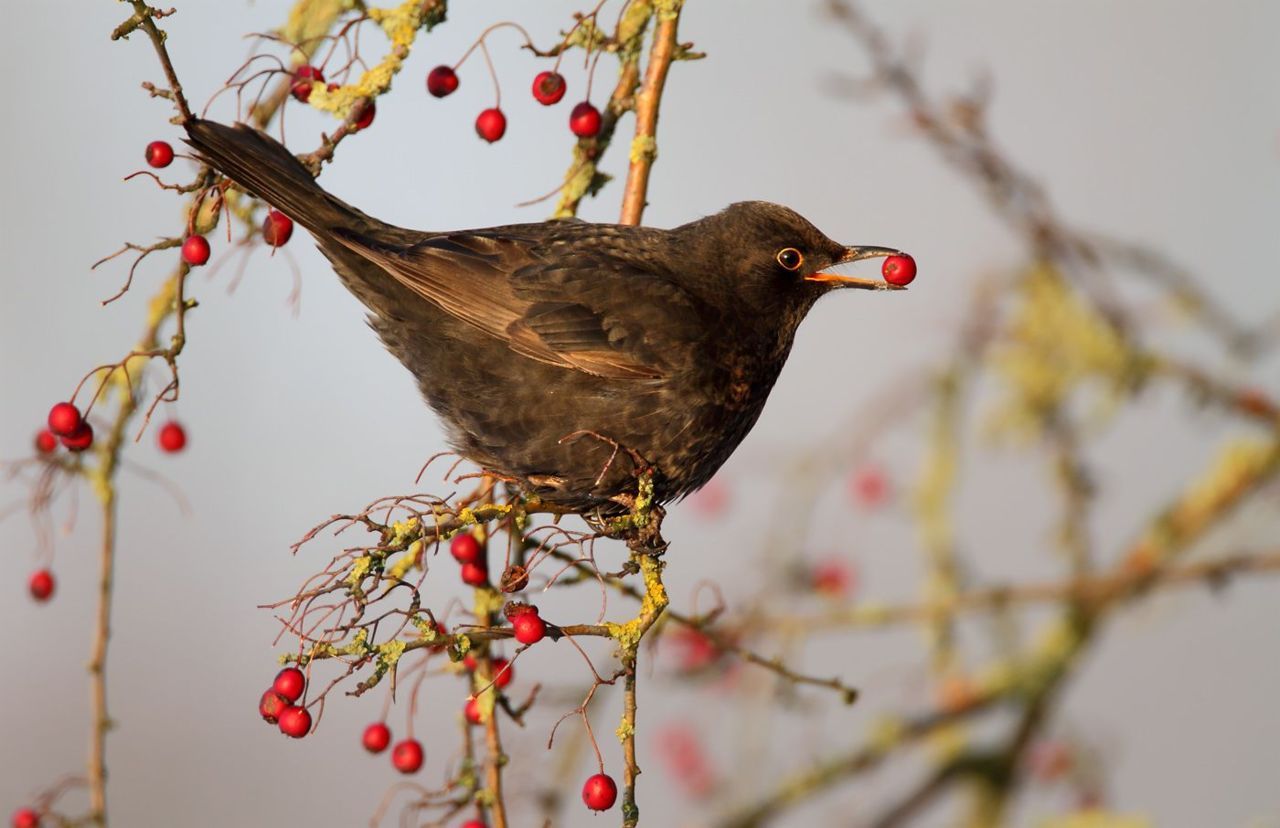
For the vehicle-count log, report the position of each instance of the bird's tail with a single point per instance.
(263, 166)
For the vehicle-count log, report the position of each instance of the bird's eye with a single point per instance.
(790, 258)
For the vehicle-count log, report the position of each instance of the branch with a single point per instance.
(644, 147)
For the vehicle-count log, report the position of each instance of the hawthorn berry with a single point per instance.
(25, 818)
(159, 154)
(442, 81)
(295, 721)
(899, 270)
(503, 672)
(474, 575)
(172, 438)
(303, 78)
(364, 115)
(277, 228)
(529, 628)
(80, 439)
(290, 682)
(472, 712)
(406, 756)
(584, 120)
(64, 418)
(469, 662)
(271, 705)
(600, 792)
(549, 88)
(195, 250)
(46, 442)
(41, 585)
(376, 737)
(491, 125)
(465, 549)
(869, 486)
(473, 823)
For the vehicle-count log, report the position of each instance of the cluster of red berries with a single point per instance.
(466, 551)
(67, 423)
(305, 78)
(548, 89)
(25, 818)
(278, 704)
(406, 756)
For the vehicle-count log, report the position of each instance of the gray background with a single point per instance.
(1154, 120)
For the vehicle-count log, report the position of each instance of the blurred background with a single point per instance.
(1154, 122)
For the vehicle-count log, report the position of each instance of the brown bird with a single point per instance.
(561, 353)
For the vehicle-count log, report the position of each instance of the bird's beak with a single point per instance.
(853, 254)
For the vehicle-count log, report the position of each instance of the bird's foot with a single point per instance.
(641, 526)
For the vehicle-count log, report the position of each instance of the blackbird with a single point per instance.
(563, 353)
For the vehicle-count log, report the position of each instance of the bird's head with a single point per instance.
(771, 259)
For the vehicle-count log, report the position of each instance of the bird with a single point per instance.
(565, 356)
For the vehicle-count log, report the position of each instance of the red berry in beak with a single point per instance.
(898, 270)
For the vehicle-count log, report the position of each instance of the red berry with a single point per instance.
(41, 585)
(159, 154)
(407, 756)
(172, 438)
(549, 88)
(80, 439)
(473, 823)
(271, 705)
(295, 721)
(290, 682)
(898, 270)
(469, 662)
(25, 818)
(503, 672)
(584, 120)
(600, 792)
(442, 81)
(64, 419)
(376, 737)
(491, 125)
(869, 486)
(364, 114)
(474, 575)
(529, 628)
(472, 712)
(465, 548)
(46, 443)
(303, 77)
(195, 250)
(277, 228)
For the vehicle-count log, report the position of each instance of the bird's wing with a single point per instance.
(587, 314)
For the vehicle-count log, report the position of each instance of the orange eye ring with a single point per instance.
(790, 258)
